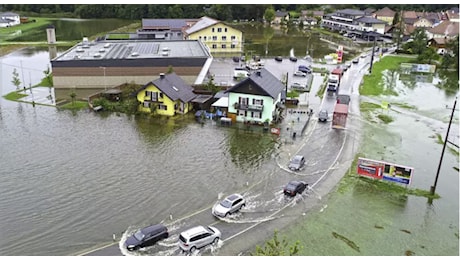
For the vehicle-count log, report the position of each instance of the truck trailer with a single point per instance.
(339, 117)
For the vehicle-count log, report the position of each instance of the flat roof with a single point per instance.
(134, 49)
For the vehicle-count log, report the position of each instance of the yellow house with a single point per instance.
(220, 38)
(168, 95)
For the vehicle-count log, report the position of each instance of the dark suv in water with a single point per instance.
(146, 237)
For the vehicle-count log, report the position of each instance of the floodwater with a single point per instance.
(71, 180)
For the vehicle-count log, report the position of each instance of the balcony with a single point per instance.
(258, 108)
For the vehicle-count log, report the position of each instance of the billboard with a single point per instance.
(384, 171)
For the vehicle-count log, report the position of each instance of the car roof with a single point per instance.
(298, 156)
(154, 228)
(234, 197)
(294, 183)
(193, 231)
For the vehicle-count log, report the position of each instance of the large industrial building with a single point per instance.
(89, 67)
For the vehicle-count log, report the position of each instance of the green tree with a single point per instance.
(269, 14)
(275, 247)
(450, 58)
(16, 81)
(419, 41)
(427, 56)
(48, 76)
(73, 96)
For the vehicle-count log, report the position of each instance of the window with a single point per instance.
(179, 34)
(214, 38)
(224, 46)
(243, 101)
(161, 94)
(199, 38)
(225, 29)
(162, 107)
(146, 104)
(233, 37)
(224, 38)
(256, 115)
(257, 101)
(214, 46)
(212, 30)
(205, 38)
(233, 46)
(219, 30)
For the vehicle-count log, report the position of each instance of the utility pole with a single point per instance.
(433, 188)
(372, 56)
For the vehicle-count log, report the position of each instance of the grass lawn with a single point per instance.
(372, 84)
(75, 105)
(14, 96)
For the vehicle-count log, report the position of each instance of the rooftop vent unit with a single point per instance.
(76, 57)
(85, 46)
(165, 53)
(165, 49)
(96, 55)
(174, 87)
(79, 50)
(102, 50)
(134, 54)
(107, 45)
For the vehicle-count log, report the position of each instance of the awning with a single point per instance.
(221, 102)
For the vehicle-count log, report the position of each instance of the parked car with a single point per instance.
(323, 115)
(229, 205)
(147, 236)
(304, 68)
(296, 162)
(198, 237)
(355, 61)
(299, 87)
(292, 58)
(279, 58)
(295, 187)
(300, 74)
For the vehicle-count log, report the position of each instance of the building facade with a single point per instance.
(168, 95)
(256, 99)
(221, 39)
(95, 66)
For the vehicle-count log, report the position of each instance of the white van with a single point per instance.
(240, 73)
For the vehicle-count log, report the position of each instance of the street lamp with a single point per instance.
(105, 85)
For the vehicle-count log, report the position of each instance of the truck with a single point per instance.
(333, 81)
(339, 117)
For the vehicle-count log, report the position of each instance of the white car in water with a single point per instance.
(229, 205)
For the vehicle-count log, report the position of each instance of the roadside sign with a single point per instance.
(384, 171)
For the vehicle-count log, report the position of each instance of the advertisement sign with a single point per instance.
(384, 171)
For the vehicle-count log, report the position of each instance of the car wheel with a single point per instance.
(216, 240)
(193, 249)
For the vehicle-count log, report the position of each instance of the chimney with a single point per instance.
(162, 75)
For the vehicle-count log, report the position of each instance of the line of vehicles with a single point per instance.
(201, 236)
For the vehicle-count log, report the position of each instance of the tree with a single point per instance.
(275, 247)
(427, 56)
(269, 14)
(450, 58)
(73, 96)
(48, 76)
(419, 41)
(16, 81)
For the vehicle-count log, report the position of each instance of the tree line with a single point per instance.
(222, 12)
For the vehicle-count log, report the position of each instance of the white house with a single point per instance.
(9, 19)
